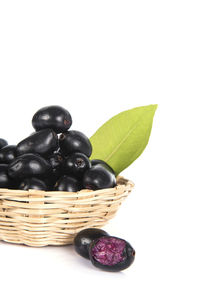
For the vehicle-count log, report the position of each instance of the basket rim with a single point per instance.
(121, 183)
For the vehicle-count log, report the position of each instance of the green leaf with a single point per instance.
(122, 139)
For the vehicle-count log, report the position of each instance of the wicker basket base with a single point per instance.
(39, 218)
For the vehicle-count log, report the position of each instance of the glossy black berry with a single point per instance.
(53, 117)
(32, 183)
(111, 254)
(75, 141)
(29, 165)
(76, 164)
(7, 154)
(102, 163)
(98, 177)
(43, 142)
(84, 238)
(67, 183)
(56, 160)
(5, 180)
(3, 142)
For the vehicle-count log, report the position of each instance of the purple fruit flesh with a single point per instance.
(111, 253)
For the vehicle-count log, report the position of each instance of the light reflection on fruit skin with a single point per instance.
(54, 155)
(3, 142)
(8, 154)
(75, 141)
(84, 238)
(33, 183)
(76, 164)
(54, 117)
(98, 177)
(68, 183)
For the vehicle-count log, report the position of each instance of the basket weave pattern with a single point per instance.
(39, 218)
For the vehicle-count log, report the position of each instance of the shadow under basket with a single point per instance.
(39, 218)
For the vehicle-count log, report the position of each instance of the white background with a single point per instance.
(97, 58)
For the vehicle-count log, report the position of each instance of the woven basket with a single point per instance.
(39, 218)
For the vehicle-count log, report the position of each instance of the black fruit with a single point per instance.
(51, 180)
(32, 183)
(76, 164)
(75, 141)
(56, 160)
(5, 181)
(3, 142)
(43, 142)
(111, 253)
(29, 165)
(7, 154)
(67, 183)
(103, 163)
(98, 177)
(53, 117)
(84, 238)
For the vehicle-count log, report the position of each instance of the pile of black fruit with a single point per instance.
(53, 157)
(105, 252)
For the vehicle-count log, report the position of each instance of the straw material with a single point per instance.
(39, 218)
